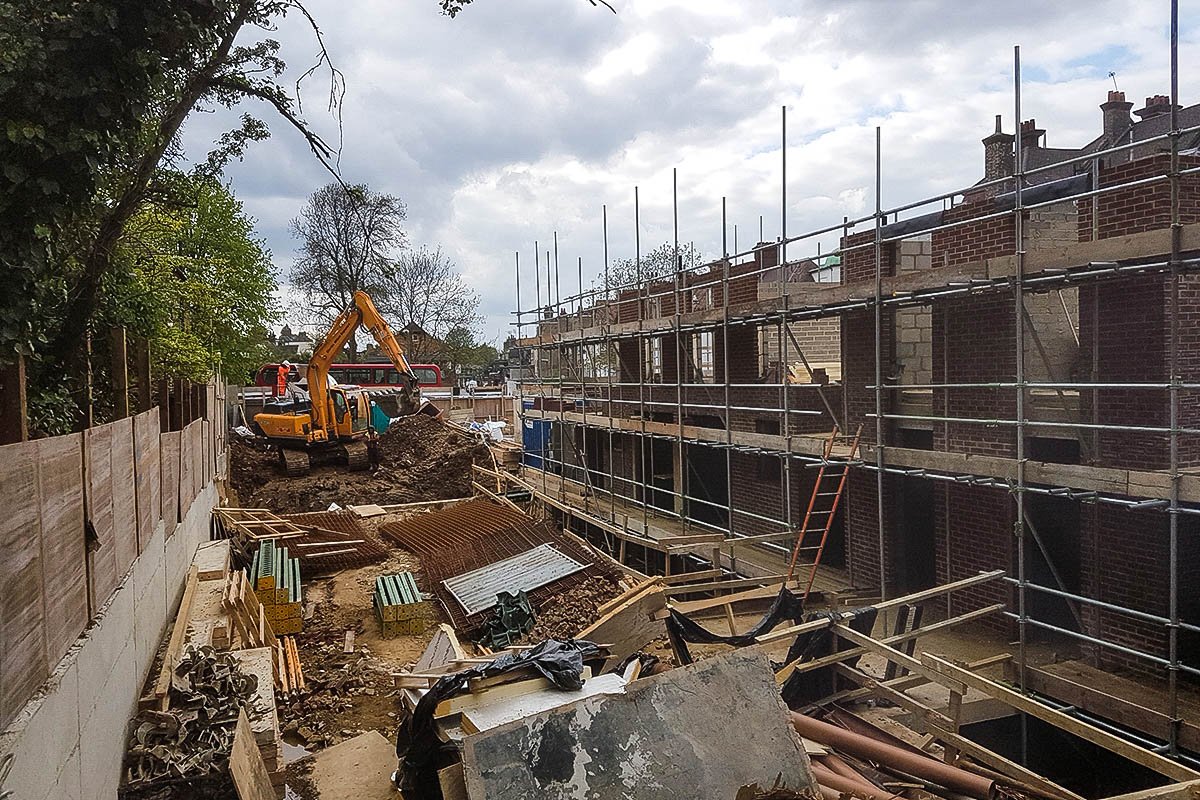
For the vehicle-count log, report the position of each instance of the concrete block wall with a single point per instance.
(914, 326)
(69, 742)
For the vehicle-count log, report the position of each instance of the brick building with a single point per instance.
(1024, 347)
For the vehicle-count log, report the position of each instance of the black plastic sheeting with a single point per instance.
(417, 742)
(802, 688)
(788, 607)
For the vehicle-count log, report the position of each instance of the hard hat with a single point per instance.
(287, 363)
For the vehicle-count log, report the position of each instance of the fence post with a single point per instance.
(141, 367)
(14, 413)
(120, 372)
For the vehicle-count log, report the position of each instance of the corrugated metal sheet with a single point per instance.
(474, 533)
(476, 590)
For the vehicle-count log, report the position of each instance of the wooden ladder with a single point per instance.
(823, 505)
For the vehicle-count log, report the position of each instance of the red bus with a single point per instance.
(369, 376)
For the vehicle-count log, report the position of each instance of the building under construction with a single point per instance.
(1001, 377)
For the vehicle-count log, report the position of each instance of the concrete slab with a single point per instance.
(105, 642)
(102, 736)
(718, 724)
(357, 769)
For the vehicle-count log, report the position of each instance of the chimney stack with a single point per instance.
(1031, 134)
(998, 154)
(1159, 104)
(1116, 117)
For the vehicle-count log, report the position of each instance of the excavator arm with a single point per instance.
(361, 312)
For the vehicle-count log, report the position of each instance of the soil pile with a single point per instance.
(420, 458)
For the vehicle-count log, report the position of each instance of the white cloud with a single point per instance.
(519, 119)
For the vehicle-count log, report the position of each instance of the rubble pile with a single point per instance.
(567, 613)
(333, 710)
(184, 752)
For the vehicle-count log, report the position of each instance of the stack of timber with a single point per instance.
(275, 576)
(400, 606)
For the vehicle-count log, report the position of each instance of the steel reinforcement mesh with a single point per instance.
(334, 528)
(476, 533)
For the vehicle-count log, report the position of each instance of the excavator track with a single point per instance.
(357, 456)
(295, 462)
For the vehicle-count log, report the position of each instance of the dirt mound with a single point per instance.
(419, 459)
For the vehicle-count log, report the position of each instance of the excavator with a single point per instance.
(334, 422)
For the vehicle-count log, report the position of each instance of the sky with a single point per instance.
(519, 119)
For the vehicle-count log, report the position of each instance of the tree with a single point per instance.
(349, 239)
(451, 7)
(198, 284)
(425, 290)
(461, 349)
(658, 263)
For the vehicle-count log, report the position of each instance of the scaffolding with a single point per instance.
(583, 382)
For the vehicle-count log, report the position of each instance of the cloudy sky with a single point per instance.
(519, 118)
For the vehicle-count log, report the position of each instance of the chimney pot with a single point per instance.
(1158, 104)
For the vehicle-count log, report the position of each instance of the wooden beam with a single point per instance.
(898, 657)
(162, 686)
(908, 599)
(119, 364)
(834, 658)
(1111, 706)
(14, 408)
(1115, 744)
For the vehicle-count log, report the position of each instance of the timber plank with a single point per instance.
(246, 766)
(23, 662)
(1115, 744)
(60, 500)
(630, 626)
(102, 554)
(169, 478)
(124, 497)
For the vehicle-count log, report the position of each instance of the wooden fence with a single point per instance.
(75, 511)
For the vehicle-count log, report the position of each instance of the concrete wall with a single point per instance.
(68, 743)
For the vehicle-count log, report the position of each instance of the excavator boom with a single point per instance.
(362, 311)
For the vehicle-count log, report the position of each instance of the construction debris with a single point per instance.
(468, 536)
(662, 737)
(188, 746)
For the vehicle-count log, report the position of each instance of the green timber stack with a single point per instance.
(399, 605)
(275, 577)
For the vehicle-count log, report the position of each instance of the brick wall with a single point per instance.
(820, 339)
(858, 368)
(859, 264)
(973, 343)
(1139, 208)
(972, 241)
(862, 528)
(974, 533)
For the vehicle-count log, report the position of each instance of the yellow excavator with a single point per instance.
(334, 422)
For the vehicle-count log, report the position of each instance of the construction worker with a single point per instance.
(281, 379)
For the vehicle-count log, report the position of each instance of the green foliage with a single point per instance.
(460, 350)
(657, 264)
(196, 282)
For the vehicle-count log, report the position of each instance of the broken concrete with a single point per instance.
(665, 738)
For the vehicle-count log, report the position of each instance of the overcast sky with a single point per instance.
(519, 118)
